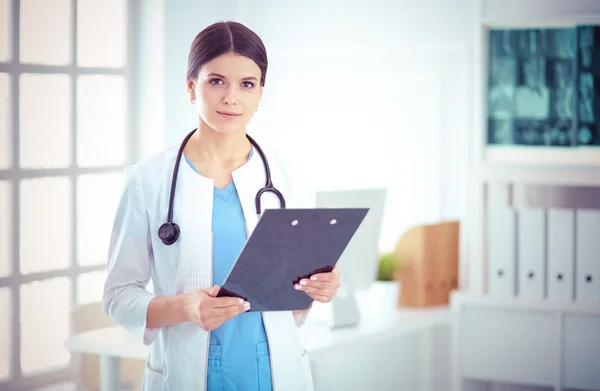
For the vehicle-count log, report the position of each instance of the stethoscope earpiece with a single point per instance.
(168, 233)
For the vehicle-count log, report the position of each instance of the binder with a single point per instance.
(531, 254)
(587, 283)
(561, 255)
(501, 227)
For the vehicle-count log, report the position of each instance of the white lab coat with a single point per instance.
(177, 359)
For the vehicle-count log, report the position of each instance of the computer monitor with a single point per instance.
(359, 261)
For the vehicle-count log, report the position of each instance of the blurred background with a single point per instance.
(452, 107)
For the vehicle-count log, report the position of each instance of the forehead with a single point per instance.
(232, 66)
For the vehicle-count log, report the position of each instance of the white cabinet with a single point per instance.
(525, 343)
(582, 352)
(508, 345)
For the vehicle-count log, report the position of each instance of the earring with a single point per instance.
(193, 99)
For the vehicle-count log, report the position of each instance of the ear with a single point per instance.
(191, 85)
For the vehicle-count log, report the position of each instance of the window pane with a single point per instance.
(101, 33)
(5, 123)
(6, 238)
(5, 25)
(5, 316)
(97, 201)
(44, 115)
(90, 287)
(45, 32)
(45, 224)
(44, 324)
(101, 120)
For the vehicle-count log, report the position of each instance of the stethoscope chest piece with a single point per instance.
(168, 233)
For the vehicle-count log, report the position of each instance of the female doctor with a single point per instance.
(185, 234)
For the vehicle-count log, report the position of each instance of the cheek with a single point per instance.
(251, 103)
(206, 106)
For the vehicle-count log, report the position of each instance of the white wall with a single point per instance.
(375, 92)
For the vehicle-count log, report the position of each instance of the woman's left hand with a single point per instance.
(321, 287)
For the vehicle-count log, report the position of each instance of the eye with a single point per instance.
(248, 84)
(216, 81)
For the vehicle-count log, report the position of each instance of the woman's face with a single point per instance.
(227, 92)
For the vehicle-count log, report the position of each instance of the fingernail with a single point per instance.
(297, 287)
(241, 301)
(314, 278)
(247, 306)
(303, 282)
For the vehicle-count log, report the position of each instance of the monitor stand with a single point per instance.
(344, 307)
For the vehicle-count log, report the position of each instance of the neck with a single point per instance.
(215, 148)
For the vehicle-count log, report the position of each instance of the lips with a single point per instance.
(228, 114)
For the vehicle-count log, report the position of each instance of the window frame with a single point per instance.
(15, 174)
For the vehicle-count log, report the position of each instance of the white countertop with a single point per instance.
(113, 341)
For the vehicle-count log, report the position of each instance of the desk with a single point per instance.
(110, 344)
(379, 324)
(408, 349)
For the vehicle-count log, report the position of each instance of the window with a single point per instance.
(66, 135)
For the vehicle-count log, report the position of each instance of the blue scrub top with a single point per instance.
(238, 357)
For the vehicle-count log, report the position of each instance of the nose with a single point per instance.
(229, 98)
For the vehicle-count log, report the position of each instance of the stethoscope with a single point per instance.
(169, 231)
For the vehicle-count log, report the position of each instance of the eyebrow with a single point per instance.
(223, 77)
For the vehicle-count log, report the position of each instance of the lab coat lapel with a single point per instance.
(195, 195)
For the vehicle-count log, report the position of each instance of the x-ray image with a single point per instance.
(503, 43)
(501, 101)
(586, 98)
(561, 80)
(585, 135)
(541, 87)
(532, 96)
(502, 88)
(558, 134)
(561, 43)
(504, 71)
(532, 42)
(501, 131)
(529, 132)
(562, 103)
(532, 72)
(586, 46)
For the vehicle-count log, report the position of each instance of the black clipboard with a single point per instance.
(286, 246)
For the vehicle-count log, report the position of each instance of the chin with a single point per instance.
(228, 128)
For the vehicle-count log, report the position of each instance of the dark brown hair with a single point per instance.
(226, 37)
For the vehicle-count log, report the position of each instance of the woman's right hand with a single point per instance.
(203, 308)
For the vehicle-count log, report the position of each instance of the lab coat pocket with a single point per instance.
(263, 361)
(154, 379)
(215, 381)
